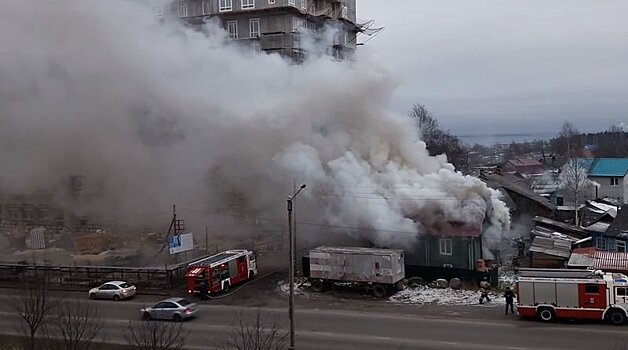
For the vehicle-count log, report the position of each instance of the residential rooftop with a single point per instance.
(617, 167)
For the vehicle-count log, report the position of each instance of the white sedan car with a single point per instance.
(116, 290)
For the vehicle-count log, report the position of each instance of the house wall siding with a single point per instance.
(606, 190)
(607, 243)
(624, 182)
(463, 254)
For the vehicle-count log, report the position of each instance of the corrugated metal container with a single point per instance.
(351, 264)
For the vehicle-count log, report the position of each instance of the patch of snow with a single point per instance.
(506, 279)
(447, 296)
(284, 287)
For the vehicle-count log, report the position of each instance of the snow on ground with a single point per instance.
(284, 287)
(507, 279)
(446, 296)
(418, 295)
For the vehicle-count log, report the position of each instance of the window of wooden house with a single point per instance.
(611, 245)
(445, 246)
(600, 243)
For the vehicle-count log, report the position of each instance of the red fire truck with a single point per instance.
(221, 271)
(572, 294)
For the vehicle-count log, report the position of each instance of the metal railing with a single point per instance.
(80, 277)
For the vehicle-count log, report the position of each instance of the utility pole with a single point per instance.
(294, 227)
(291, 266)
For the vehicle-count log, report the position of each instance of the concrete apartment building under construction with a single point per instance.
(279, 26)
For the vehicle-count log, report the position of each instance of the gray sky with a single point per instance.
(507, 66)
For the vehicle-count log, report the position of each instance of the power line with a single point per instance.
(315, 224)
(383, 197)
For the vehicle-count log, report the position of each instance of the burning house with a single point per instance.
(450, 245)
(148, 130)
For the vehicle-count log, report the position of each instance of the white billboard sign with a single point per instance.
(181, 243)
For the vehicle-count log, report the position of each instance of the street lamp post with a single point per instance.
(291, 267)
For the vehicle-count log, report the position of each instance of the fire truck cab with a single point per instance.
(572, 294)
(221, 271)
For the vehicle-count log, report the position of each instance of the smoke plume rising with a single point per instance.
(154, 113)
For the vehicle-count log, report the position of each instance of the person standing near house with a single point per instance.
(510, 299)
(204, 290)
(485, 287)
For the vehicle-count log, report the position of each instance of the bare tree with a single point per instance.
(575, 182)
(437, 140)
(33, 304)
(567, 142)
(155, 335)
(74, 326)
(258, 332)
(426, 122)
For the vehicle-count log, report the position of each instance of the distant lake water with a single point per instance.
(491, 139)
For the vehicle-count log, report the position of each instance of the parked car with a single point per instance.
(176, 309)
(116, 290)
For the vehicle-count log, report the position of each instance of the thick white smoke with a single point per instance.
(156, 113)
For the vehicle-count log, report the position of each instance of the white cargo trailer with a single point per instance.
(380, 270)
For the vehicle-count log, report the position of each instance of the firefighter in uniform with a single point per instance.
(203, 290)
(510, 298)
(484, 288)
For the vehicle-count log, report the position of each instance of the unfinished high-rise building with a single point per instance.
(280, 26)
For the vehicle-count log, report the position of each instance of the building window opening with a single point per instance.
(445, 246)
(232, 29)
(248, 4)
(254, 28)
(225, 5)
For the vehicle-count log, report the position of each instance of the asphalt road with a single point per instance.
(341, 328)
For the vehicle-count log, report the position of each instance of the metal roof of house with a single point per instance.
(548, 232)
(505, 197)
(545, 183)
(524, 162)
(554, 246)
(561, 227)
(619, 226)
(599, 260)
(605, 208)
(510, 184)
(599, 226)
(609, 167)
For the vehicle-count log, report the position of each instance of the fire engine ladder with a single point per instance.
(557, 273)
